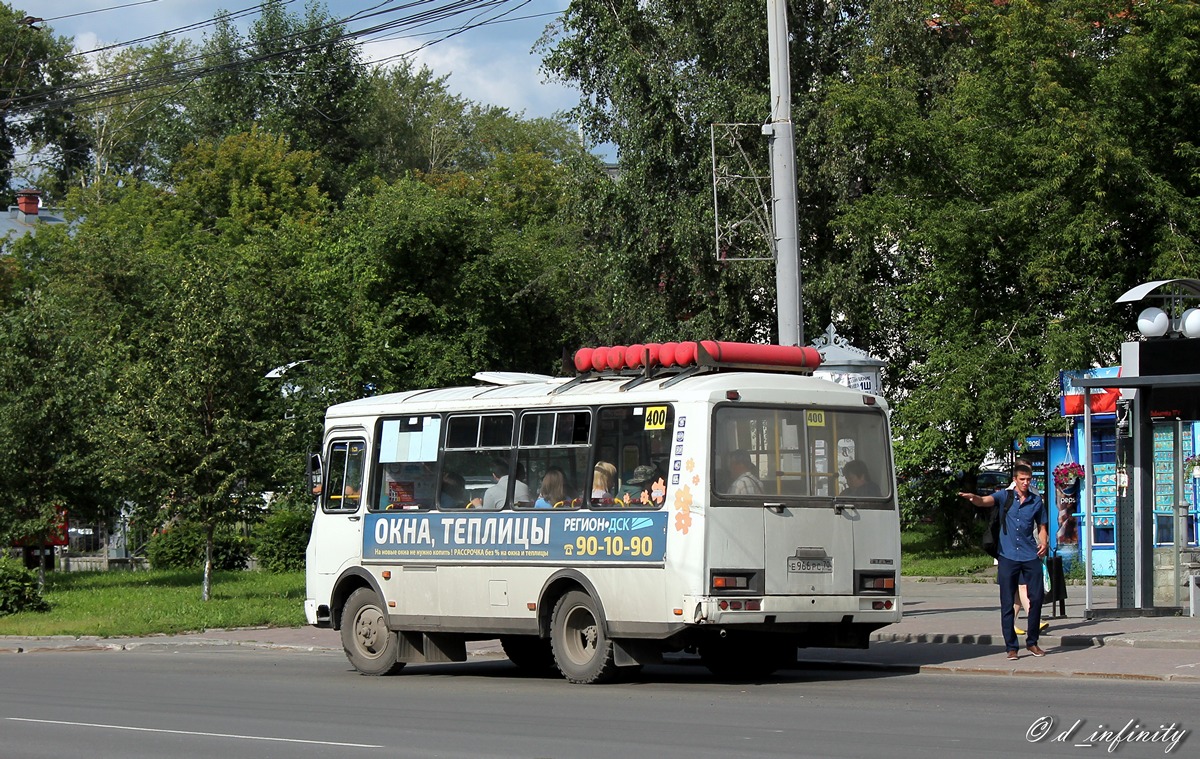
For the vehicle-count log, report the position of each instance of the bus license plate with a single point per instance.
(810, 565)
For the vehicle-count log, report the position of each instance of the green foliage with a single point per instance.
(135, 136)
(1009, 196)
(654, 76)
(924, 554)
(19, 589)
(298, 78)
(181, 546)
(37, 69)
(281, 539)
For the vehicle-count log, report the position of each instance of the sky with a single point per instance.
(491, 64)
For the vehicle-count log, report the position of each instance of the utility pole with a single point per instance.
(781, 133)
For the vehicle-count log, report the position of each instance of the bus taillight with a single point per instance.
(730, 582)
(877, 584)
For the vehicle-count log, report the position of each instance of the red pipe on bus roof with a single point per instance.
(763, 355)
(687, 354)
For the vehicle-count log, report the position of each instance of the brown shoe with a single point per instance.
(1035, 650)
(1012, 654)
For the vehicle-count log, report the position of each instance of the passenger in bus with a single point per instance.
(858, 480)
(554, 492)
(454, 491)
(604, 481)
(745, 477)
(637, 488)
(494, 498)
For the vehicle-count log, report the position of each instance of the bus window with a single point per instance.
(642, 435)
(801, 452)
(554, 452)
(407, 459)
(343, 490)
(479, 449)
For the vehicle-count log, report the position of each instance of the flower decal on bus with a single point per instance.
(683, 509)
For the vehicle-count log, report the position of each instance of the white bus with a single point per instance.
(707, 497)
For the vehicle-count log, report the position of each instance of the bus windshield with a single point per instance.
(801, 452)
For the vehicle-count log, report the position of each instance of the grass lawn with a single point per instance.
(922, 555)
(121, 603)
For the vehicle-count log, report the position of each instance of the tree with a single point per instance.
(654, 77)
(1011, 194)
(133, 115)
(48, 395)
(299, 78)
(410, 115)
(191, 293)
(35, 75)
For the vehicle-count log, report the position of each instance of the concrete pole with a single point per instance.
(1089, 511)
(783, 179)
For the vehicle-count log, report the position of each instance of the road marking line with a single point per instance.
(192, 732)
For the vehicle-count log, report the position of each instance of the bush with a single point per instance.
(281, 539)
(19, 589)
(181, 546)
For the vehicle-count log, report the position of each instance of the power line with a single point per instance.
(100, 88)
(98, 10)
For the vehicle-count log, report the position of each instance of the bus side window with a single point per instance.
(642, 435)
(406, 472)
(553, 453)
(479, 450)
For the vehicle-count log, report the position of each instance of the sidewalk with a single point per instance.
(948, 626)
(953, 626)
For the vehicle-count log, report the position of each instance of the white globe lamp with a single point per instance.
(1190, 323)
(1153, 322)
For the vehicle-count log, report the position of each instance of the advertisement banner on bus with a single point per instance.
(513, 536)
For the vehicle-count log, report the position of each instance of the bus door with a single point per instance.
(340, 514)
(810, 537)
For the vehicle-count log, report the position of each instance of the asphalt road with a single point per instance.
(228, 703)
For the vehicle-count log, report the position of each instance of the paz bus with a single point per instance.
(699, 497)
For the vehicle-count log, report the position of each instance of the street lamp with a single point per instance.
(1177, 314)
(1153, 322)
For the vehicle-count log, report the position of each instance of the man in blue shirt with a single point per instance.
(1023, 543)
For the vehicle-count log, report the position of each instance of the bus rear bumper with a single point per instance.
(789, 611)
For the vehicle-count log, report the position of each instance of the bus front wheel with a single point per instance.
(370, 646)
(582, 650)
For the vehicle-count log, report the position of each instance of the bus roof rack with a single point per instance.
(505, 379)
(644, 362)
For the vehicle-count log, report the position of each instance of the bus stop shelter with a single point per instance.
(1159, 380)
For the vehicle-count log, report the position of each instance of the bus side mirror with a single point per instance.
(315, 474)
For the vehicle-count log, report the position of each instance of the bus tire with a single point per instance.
(529, 652)
(370, 646)
(582, 651)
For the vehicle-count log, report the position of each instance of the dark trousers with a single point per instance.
(1010, 574)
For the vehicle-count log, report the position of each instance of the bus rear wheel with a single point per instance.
(582, 650)
(370, 646)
